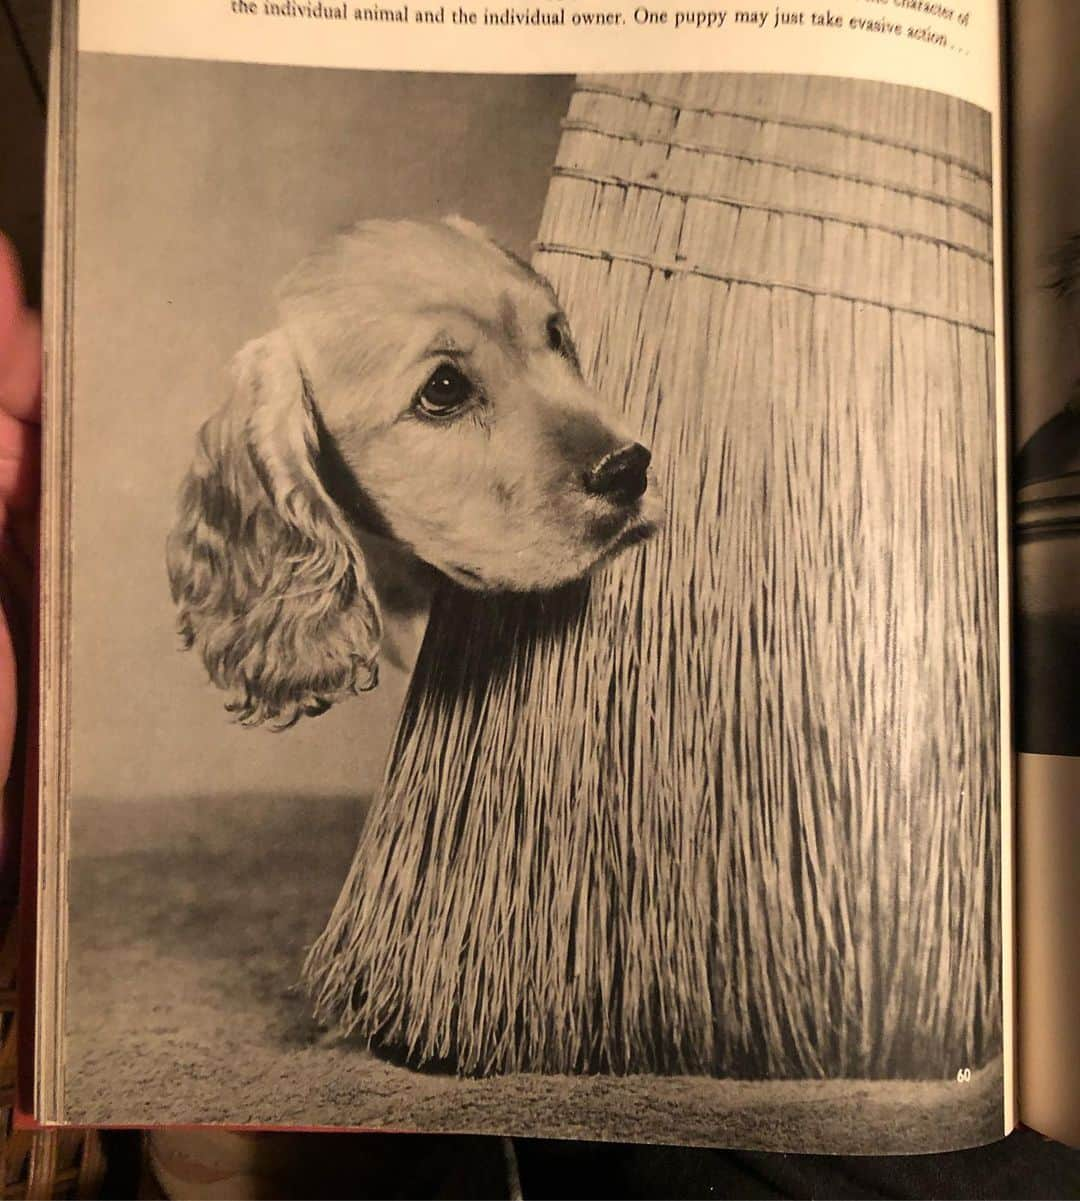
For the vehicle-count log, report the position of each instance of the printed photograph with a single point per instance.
(539, 673)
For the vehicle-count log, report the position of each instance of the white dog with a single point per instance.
(421, 403)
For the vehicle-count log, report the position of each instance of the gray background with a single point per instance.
(198, 186)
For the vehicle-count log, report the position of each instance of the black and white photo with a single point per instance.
(535, 615)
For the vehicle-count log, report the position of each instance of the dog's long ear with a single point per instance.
(271, 586)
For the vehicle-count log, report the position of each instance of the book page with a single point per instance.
(1045, 239)
(641, 365)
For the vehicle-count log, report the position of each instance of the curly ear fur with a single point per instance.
(271, 585)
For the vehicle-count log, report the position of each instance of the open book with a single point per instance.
(572, 440)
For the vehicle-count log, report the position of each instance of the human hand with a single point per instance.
(20, 442)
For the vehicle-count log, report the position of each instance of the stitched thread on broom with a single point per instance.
(673, 268)
(616, 181)
(576, 125)
(941, 156)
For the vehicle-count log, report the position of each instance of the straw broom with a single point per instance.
(731, 807)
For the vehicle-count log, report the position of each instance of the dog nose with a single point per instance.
(620, 476)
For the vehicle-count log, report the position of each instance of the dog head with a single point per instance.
(422, 388)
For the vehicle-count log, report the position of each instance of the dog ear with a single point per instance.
(272, 588)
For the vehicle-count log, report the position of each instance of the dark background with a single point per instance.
(1046, 373)
(1024, 1165)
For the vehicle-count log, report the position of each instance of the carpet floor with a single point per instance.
(183, 1007)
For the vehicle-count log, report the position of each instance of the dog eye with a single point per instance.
(559, 340)
(447, 390)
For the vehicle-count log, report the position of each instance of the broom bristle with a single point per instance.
(732, 807)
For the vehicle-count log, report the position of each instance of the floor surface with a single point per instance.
(186, 948)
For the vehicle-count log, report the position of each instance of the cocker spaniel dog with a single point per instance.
(420, 406)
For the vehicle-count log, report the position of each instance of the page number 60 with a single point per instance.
(963, 1076)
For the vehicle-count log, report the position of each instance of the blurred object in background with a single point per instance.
(1047, 483)
(24, 57)
(40, 1163)
(208, 1164)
